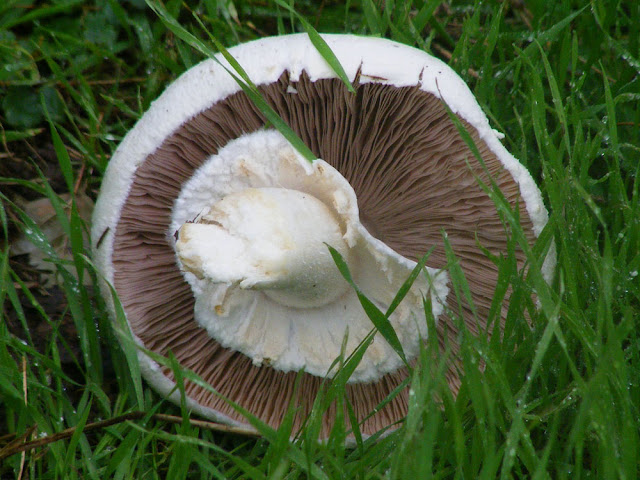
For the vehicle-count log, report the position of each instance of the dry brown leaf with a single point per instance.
(41, 211)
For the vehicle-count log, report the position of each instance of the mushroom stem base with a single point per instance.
(269, 239)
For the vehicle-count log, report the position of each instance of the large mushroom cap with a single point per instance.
(174, 229)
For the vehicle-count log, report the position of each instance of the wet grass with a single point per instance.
(558, 400)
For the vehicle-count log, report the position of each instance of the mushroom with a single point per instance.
(213, 229)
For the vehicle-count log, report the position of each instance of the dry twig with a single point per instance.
(20, 445)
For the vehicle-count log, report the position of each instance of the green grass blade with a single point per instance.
(379, 319)
(557, 100)
(321, 46)
(406, 286)
(241, 77)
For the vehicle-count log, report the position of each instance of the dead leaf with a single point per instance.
(41, 211)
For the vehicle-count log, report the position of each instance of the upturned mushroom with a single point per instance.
(213, 229)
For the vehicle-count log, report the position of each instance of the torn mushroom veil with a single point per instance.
(213, 229)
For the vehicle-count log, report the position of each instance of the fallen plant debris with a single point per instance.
(44, 215)
(12, 444)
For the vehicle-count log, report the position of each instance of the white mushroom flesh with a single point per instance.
(269, 239)
(253, 225)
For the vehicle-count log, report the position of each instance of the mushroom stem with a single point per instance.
(269, 239)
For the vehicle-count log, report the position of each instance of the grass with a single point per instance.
(558, 400)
